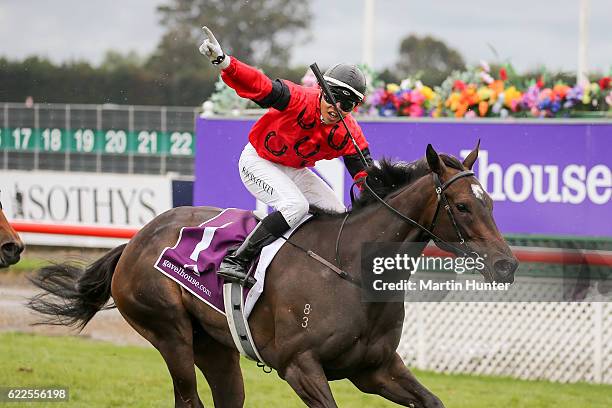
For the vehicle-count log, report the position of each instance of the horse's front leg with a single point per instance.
(395, 382)
(305, 375)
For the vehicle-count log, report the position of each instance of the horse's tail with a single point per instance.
(72, 295)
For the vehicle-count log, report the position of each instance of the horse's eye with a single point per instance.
(463, 208)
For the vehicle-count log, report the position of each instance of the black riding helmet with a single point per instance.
(347, 81)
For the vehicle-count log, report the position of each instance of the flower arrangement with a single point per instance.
(477, 92)
(225, 100)
(410, 98)
(481, 93)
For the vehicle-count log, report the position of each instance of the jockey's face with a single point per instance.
(328, 113)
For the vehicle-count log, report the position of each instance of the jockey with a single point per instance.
(300, 128)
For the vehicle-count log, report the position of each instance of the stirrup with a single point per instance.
(230, 275)
(246, 281)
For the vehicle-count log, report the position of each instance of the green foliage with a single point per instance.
(115, 61)
(226, 100)
(259, 32)
(428, 59)
(120, 79)
(102, 375)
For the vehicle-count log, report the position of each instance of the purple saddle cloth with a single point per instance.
(194, 259)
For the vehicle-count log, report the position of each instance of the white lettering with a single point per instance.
(572, 183)
(552, 195)
(519, 182)
(484, 169)
(599, 176)
(509, 182)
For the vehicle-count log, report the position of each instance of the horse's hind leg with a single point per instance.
(305, 375)
(177, 350)
(161, 318)
(221, 367)
(395, 382)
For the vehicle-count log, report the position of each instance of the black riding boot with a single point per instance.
(235, 266)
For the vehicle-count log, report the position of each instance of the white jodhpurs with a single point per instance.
(286, 189)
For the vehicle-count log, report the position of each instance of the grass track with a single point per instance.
(104, 375)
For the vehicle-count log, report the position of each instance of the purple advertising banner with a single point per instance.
(545, 177)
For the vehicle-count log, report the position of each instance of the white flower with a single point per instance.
(485, 66)
(406, 84)
(486, 78)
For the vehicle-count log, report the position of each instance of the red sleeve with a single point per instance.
(357, 135)
(247, 81)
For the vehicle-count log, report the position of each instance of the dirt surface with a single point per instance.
(107, 325)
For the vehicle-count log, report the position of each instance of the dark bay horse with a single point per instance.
(11, 245)
(343, 337)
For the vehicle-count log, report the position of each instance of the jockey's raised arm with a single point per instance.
(300, 128)
(250, 83)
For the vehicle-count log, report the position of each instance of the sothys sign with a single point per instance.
(107, 200)
(546, 177)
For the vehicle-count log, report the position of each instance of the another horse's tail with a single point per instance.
(73, 295)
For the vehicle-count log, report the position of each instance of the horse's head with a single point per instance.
(11, 245)
(472, 211)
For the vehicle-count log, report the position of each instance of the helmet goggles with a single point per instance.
(346, 100)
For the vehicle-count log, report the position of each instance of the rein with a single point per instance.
(442, 200)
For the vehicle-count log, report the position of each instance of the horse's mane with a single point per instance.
(386, 177)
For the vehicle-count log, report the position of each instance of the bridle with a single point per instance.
(440, 188)
(442, 202)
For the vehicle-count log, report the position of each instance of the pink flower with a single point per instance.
(417, 97)
(309, 80)
(470, 114)
(376, 97)
(514, 103)
(405, 96)
(416, 111)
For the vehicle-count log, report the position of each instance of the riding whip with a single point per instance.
(325, 87)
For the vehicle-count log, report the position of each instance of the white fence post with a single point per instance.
(598, 342)
(421, 357)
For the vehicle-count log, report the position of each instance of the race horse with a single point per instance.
(344, 338)
(11, 245)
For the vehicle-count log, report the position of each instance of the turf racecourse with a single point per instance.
(104, 375)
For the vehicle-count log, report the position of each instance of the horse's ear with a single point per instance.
(471, 158)
(435, 164)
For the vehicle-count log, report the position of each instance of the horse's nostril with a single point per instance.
(502, 266)
(11, 250)
(505, 268)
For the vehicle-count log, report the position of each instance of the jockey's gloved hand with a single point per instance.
(211, 48)
(359, 179)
